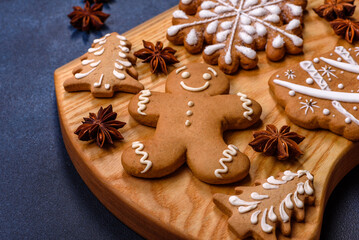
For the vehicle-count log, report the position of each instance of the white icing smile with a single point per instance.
(193, 89)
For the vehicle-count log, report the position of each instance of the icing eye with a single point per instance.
(207, 76)
(185, 75)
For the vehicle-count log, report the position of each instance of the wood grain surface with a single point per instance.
(180, 206)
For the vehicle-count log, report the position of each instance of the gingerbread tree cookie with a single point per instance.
(322, 92)
(234, 29)
(190, 118)
(107, 67)
(271, 204)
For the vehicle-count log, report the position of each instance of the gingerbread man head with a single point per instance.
(197, 78)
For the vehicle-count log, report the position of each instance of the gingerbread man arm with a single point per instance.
(238, 111)
(145, 107)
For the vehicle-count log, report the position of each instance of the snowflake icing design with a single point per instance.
(327, 71)
(290, 74)
(234, 29)
(309, 105)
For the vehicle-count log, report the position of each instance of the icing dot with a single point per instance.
(348, 120)
(355, 108)
(279, 76)
(339, 59)
(333, 115)
(349, 49)
(300, 98)
(331, 54)
(185, 75)
(189, 113)
(341, 72)
(207, 76)
(188, 123)
(190, 104)
(326, 111)
(309, 81)
(329, 79)
(291, 93)
(358, 77)
(316, 60)
(340, 86)
(351, 90)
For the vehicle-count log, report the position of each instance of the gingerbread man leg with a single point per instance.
(154, 158)
(217, 162)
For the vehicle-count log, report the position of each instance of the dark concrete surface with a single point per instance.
(41, 194)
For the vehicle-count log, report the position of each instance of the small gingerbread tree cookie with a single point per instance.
(260, 210)
(231, 31)
(190, 118)
(107, 67)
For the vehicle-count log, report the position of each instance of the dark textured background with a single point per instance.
(41, 194)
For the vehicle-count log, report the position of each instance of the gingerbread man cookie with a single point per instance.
(107, 67)
(322, 92)
(190, 119)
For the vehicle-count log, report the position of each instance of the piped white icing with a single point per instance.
(269, 186)
(209, 50)
(228, 157)
(143, 100)
(257, 196)
(278, 42)
(179, 14)
(194, 89)
(82, 75)
(265, 227)
(98, 84)
(295, 10)
(245, 105)
(192, 38)
(271, 215)
(144, 159)
(293, 24)
(272, 180)
(246, 51)
(254, 217)
(119, 75)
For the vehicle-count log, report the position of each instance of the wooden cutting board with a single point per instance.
(180, 206)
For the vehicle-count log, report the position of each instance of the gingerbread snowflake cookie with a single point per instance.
(322, 92)
(233, 30)
(271, 204)
(190, 118)
(107, 67)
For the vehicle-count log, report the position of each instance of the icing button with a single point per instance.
(189, 113)
(190, 104)
(188, 123)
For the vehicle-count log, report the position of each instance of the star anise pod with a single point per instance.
(332, 9)
(346, 28)
(103, 127)
(90, 17)
(157, 56)
(282, 144)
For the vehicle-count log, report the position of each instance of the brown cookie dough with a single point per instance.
(190, 118)
(230, 32)
(322, 92)
(107, 67)
(270, 204)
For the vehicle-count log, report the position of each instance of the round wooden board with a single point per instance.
(180, 206)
